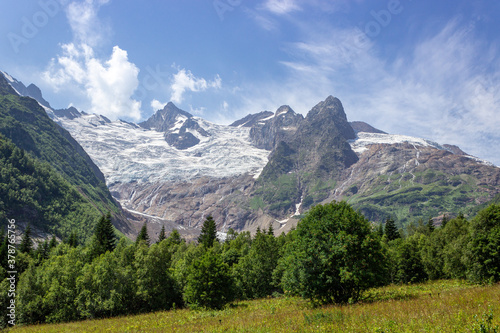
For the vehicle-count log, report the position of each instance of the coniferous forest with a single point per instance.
(332, 256)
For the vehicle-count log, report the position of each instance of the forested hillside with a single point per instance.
(32, 191)
(26, 125)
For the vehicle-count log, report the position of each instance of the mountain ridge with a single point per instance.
(270, 167)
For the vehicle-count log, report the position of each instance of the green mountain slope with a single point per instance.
(33, 191)
(24, 122)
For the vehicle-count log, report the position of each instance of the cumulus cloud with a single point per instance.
(157, 105)
(107, 84)
(184, 81)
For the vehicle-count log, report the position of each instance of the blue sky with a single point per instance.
(423, 68)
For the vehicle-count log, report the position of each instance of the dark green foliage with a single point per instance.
(483, 253)
(408, 262)
(379, 230)
(64, 189)
(174, 238)
(334, 256)
(444, 221)
(430, 224)
(391, 231)
(254, 271)
(209, 282)
(72, 239)
(162, 235)
(53, 242)
(155, 287)
(104, 238)
(143, 235)
(208, 233)
(31, 190)
(47, 293)
(26, 245)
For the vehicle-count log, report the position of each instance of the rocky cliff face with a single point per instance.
(269, 132)
(181, 130)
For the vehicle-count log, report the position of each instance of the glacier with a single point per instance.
(127, 153)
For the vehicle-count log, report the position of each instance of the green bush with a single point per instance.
(334, 256)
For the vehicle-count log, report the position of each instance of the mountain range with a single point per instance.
(175, 169)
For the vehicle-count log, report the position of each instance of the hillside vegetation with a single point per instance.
(335, 256)
(24, 123)
(32, 190)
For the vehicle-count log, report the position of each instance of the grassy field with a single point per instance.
(439, 306)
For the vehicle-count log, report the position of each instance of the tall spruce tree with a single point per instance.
(104, 233)
(444, 220)
(162, 235)
(208, 233)
(391, 231)
(26, 245)
(73, 239)
(430, 224)
(143, 235)
(174, 238)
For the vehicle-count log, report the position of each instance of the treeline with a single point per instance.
(332, 256)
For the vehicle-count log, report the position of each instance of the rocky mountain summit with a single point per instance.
(270, 167)
(180, 129)
(268, 132)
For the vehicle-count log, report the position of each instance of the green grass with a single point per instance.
(438, 306)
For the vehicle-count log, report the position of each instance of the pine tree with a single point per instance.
(174, 238)
(73, 239)
(391, 231)
(430, 225)
(208, 233)
(26, 245)
(162, 235)
(53, 243)
(105, 234)
(444, 220)
(270, 230)
(143, 235)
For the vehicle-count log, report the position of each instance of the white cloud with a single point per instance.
(157, 105)
(111, 84)
(86, 26)
(281, 7)
(185, 81)
(108, 85)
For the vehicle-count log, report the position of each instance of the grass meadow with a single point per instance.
(437, 306)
